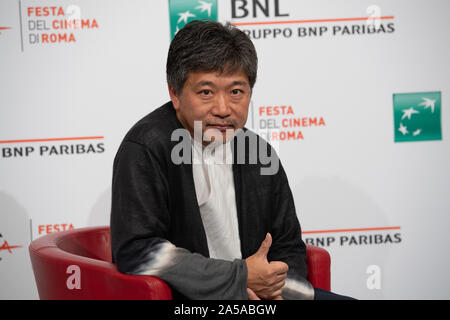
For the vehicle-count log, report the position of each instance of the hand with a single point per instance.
(265, 279)
(253, 296)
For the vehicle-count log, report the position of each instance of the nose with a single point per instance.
(221, 107)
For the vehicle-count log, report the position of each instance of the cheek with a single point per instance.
(193, 110)
(200, 107)
(242, 113)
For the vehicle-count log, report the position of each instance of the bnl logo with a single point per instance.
(256, 8)
(417, 116)
(184, 11)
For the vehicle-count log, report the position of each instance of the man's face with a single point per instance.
(219, 101)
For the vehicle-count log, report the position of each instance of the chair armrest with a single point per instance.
(98, 279)
(318, 264)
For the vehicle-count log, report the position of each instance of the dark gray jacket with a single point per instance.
(156, 227)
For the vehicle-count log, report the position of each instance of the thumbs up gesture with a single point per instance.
(265, 279)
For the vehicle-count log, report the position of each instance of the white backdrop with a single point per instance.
(378, 206)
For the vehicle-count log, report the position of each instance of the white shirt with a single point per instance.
(214, 187)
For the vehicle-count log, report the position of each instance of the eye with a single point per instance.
(205, 92)
(236, 91)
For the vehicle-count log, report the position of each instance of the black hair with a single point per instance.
(205, 45)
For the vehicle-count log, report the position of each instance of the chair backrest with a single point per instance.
(91, 243)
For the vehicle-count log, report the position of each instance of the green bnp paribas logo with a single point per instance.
(184, 11)
(417, 116)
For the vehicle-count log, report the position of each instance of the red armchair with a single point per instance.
(76, 264)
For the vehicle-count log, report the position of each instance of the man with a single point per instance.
(212, 231)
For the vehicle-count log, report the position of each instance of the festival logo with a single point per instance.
(6, 247)
(184, 11)
(3, 29)
(44, 229)
(49, 25)
(281, 122)
(417, 116)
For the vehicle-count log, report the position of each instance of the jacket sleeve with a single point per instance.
(140, 222)
(287, 245)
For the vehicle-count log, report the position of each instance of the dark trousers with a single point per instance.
(320, 294)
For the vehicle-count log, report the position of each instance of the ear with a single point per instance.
(174, 97)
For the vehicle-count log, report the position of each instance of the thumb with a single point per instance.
(265, 246)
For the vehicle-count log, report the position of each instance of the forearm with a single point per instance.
(194, 275)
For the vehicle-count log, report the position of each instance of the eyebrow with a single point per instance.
(205, 83)
(210, 83)
(239, 83)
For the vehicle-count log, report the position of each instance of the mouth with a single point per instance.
(220, 126)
